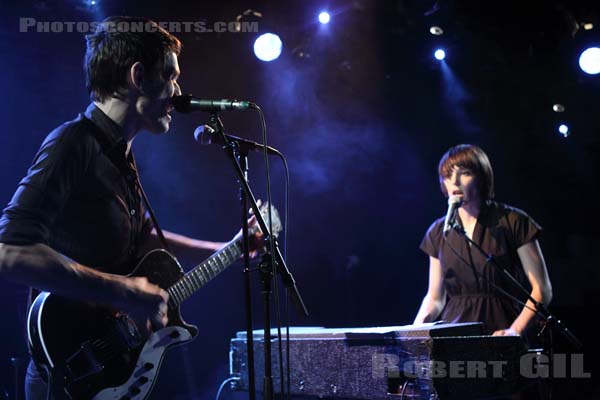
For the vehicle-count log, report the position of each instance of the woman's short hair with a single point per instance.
(471, 157)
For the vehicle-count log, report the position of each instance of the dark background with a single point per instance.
(363, 113)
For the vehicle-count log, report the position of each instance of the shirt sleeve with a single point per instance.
(57, 168)
(432, 239)
(523, 228)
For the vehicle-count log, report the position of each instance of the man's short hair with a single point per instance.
(116, 45)
(471, 157)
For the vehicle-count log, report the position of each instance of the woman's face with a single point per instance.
(462, 182)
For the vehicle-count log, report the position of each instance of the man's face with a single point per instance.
(155, 104)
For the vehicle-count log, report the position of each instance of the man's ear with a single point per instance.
(136, 76)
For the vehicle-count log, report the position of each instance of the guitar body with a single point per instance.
(92, 352)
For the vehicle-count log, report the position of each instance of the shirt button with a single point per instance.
(132, 212)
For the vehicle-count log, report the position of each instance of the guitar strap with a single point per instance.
(159, 231)
(128, 171)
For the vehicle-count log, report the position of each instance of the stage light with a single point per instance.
(436, 31)
(93, 2)
(564, 130)
(440, 54)
(558, 108)
(267, 47)
(589, 60)
(324, 17)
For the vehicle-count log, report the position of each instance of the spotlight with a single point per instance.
(436, 31)
(267, 47)
(558, 108)
(324, 17)
(564, 130)
(249, 17)
(440, 54)
(589, 60)
(93, 2)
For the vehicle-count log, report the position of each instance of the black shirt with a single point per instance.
(81, 198)
(469, 279)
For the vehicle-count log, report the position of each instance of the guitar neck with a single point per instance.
(204, 272)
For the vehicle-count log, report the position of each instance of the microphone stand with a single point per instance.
(273, 256)
(241, 155)
(540, 309)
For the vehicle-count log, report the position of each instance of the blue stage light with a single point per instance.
(440, 54)
(589, 60)
(324, 17)
(564, 130)
(267, 47)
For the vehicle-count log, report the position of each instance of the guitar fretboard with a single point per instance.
(204, 272)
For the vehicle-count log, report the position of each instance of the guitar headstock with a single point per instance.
(275, 219)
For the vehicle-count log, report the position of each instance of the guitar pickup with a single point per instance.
(128, 332)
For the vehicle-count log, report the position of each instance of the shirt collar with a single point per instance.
(109, 128)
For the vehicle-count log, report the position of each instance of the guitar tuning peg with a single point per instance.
(258, 203)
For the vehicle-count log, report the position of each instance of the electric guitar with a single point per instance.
(92, 352)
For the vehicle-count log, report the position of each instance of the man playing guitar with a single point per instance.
(78, 223)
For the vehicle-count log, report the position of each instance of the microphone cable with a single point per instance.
(274, 271)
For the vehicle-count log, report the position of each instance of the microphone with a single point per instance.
(187, 103)
(206, 135)
(454, 202)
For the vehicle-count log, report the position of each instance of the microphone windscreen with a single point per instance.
(454, 199)
(182, 103)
